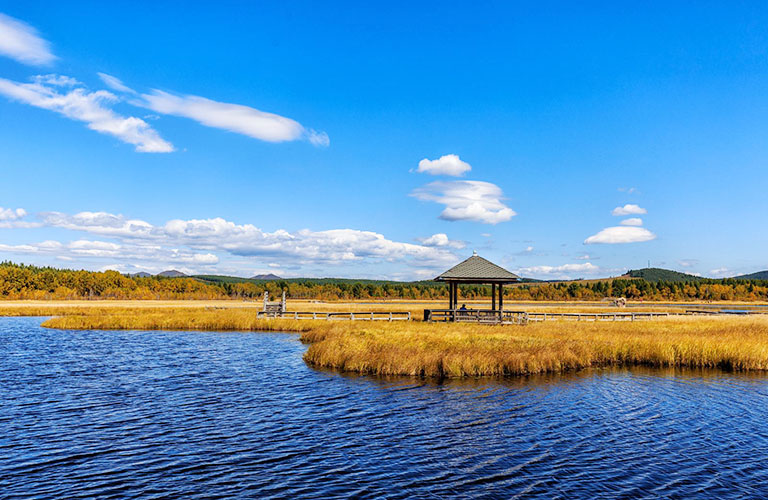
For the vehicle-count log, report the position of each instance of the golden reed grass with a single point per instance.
(463, 350)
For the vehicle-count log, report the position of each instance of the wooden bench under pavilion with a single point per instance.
(476, 270)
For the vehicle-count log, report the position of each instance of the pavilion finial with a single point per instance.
(474, 253)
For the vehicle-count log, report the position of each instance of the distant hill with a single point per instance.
(140, 275)
(267, 277)
(171, 274)
(654, 274)
(760, 275)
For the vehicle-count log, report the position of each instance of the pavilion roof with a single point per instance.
(478, 269)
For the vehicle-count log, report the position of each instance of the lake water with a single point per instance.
(225, 415)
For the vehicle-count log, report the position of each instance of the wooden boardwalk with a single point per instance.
(523, 317)
(330, 316)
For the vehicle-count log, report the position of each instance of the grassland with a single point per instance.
(448, 350)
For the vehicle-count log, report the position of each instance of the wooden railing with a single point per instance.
(476, 316)
(523, 317)
(349, 316)
(624, 316)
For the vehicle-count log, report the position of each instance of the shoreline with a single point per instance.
(460, 350)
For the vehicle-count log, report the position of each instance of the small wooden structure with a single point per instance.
(476, 270)
(273, 308)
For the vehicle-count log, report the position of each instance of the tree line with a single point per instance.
(18, 281)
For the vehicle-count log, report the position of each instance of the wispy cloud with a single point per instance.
(115, 83)
(445, 165)
(21, 42)
(232, 117)
(688, 262)
(632, 221)
(629, 209)
(467, 200)
(621, 234)
(63, 96)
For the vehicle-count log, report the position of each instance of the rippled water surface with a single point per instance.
(223, 415)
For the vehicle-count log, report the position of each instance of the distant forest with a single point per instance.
(18, 281)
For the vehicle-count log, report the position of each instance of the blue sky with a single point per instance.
(384, 140)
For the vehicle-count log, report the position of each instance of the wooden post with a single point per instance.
(456, 296)
(493, 296)
(501, 296)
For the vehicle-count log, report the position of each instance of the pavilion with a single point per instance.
(477, 270)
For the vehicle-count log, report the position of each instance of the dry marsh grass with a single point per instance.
(467, 350)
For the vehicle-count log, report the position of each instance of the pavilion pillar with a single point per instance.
(493, 296)
(501, 296)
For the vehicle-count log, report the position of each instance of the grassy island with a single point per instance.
(460, 350)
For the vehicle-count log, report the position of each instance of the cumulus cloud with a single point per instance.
(94, 249)
(467, 200)
(445, 165)
(232, 117)
(621, 234)
(101, 223)
(441, 240)
(629, 209)
(220, 235)
(21, 42)
(115, 83)
(7, 214)
(632, 221)
(558, 272)
(92, 108)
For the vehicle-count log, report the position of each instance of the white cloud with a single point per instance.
(115, 83)
(467, 200)
(688, 262)
(219, 235)
(233, 117)
(558, 272)
(445, 165)
(629, 209)
(621, 234)
(21, 42)
(90, 249)
(101, 223)
(89, 107)
(14, 218)
(632, 221)
(8, 214)
(56, 80)
(441, 240)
